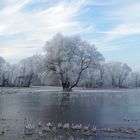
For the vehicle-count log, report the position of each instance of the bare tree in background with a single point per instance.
(117, 73)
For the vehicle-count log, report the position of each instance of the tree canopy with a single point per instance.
(68, 56)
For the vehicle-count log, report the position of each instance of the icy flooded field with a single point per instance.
(40, 113)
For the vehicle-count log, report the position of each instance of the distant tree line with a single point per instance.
(68, 62)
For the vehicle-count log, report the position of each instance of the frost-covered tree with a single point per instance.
(135, 80)
(4, 73)
(117, 73)
(2, 63)
(101, 75)
(27, 70)
(94, 76)
(68, 57)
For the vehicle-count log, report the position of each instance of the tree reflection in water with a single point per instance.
(65, 102)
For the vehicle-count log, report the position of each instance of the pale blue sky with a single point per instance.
(112, 25)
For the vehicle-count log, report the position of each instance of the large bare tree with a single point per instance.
(68, 56)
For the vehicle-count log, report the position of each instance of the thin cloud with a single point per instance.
(39, 24)
(25, 25)
(129, 20)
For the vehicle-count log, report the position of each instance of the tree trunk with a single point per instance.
(66, 87)
(29, 80)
